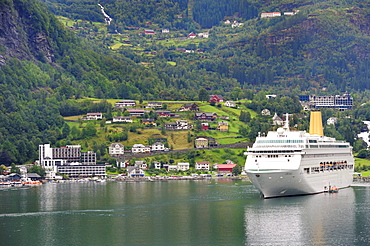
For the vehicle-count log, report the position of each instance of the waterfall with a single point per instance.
(107, 18)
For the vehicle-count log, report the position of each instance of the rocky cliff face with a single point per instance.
(324, 33)
(18, 36)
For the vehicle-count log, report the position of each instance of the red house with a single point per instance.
(205, 126)
(192, 35)
(226, 167)
(216, 98)
(148, 31)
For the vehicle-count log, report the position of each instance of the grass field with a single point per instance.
(359, 162)
(176, 139)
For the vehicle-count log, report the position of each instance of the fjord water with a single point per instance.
(216, 212)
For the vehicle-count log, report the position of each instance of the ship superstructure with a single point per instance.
(286, 163)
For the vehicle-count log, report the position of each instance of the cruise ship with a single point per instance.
(288, 163)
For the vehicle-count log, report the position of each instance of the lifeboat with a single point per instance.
(333, 189)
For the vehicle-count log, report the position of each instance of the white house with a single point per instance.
(136, 111)
(172, 168)
(155, 105)
(183, 166)
(116, 149)
(157, 165)
(183, 125)
(270, 15)
(236, 24)
(270, 96)
(276, 120)
(121, 163)
(127, 119)
(265, 112)
(165, 30)
(229, 104)
(202, 165)
(94, 116)
(332, 121)
(203, 35)
(141, 164)
(134, 171)
(140, 148)
(158, 146)
(125, 103)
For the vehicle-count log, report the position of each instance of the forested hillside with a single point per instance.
(324, 44)
(42, 65)
(321, 49)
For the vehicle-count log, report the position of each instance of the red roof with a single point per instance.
(226, 166)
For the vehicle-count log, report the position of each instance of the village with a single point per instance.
(128, 162)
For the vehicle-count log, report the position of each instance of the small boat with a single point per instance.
(29, 182)
(5, 183)
(333, 189)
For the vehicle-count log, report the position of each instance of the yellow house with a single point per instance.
(223, 126)
(201, 143)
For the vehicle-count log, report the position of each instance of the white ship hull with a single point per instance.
(295, 182)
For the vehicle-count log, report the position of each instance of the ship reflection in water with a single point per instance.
(321, 219)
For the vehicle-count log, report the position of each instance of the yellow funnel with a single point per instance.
(316, 123)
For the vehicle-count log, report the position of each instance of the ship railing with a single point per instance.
(288, 146)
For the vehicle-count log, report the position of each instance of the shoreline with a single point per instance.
(143, 179)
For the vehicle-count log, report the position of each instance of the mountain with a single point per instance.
(44, 65)
(317, 45)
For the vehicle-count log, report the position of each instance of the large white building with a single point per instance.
(68, 160)
(341, 102)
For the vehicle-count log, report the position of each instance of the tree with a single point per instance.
(163, 130)
(359, 145)
(89, 130)
(243, 131)
(189, 137)
(236, 170)
(5, 158)
(244, 116)
(203, 95)
(65, 130)
(102, 123)
(3, 169)
(75, 132)
(198, 125)
(37, 169)
(363, 153)
(15, 169)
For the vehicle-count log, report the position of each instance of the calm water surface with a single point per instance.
(217, 212)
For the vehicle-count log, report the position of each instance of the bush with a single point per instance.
(363, 153)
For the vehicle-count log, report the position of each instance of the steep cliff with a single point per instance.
(28, 31)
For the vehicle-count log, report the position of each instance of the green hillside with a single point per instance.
(47, 64)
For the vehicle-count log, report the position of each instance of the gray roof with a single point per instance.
(33, 175)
